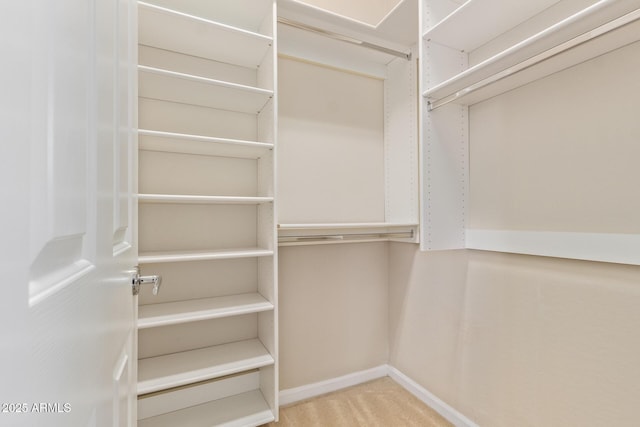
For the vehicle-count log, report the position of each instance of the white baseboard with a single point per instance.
(311, 390)
(453, 416)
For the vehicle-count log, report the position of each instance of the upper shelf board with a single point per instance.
(199, 144)
(171, 86)
(463, 29)
(598, 29)
(246, 14)
(200, 37)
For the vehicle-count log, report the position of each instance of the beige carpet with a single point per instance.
(380, 403)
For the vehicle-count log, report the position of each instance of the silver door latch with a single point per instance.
(137, 280)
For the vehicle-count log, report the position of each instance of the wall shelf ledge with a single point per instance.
(601, 247)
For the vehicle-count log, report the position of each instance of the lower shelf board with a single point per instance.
(177, 369)
(171, 313)
(242, 410)
(204, 145)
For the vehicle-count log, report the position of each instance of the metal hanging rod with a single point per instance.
(346, 39)
(347, 236)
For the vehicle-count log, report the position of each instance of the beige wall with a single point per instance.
(511, 340)
(330, 145)
(333, 311)
(561, 154)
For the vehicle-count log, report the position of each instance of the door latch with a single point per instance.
(137, 280)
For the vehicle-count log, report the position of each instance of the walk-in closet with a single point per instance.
(233, 206)
(360, 135)
(287, 143)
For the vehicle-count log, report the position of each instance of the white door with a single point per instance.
(67, 215)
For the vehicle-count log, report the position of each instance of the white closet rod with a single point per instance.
(556, 50)
(346, 39)
(347, 236)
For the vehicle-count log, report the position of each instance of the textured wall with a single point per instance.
(333, 311)
(511, 340)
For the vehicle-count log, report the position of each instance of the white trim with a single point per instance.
(453, 416)
(297, 394)
(603, 247)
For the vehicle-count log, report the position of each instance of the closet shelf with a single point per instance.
(153, 315)
(593, 31)
(200, 37)
(189, 199)
(198, 144)
(245, 409)
(156, 83)
(187, 367)
(170, 256)
(463, 31)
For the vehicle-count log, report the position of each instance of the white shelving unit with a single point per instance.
(392, 62)
(207, 102)
(466, 60)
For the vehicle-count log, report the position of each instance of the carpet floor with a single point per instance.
(378, 403)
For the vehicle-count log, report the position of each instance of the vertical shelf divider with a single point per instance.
(218, 154)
